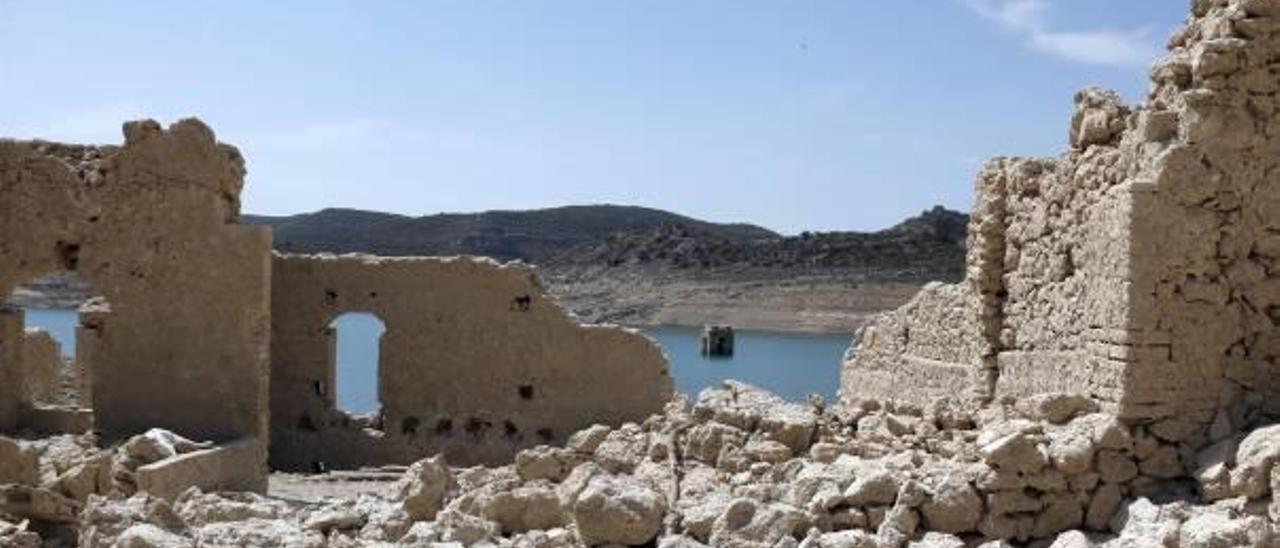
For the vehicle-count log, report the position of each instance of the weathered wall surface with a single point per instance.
(151, 225)
(931, 344)
(475, 362)
(11, 349)
(1139, 268)
(41, 366)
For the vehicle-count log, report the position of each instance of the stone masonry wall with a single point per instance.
(475, 362)
(42, 366)
(151, 224)
(1139, 268)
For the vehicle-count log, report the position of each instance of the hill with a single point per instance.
(506, 235)
(826, 281)
(930, 245)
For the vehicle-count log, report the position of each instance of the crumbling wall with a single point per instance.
(41, 366)
(151, 224)
(1139, 267)
(475, 362)
(932, 344)
(11, 350)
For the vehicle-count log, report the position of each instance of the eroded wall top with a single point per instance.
(475, 362)
(150, 225)
(1136, 268)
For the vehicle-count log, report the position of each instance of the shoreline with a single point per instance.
(749, 326)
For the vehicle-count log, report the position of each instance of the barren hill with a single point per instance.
(643, 266)
(827, 281)
(506, 235)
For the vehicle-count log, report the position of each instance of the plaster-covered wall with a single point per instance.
(475, 362)
(151, 224)
(1139, 268)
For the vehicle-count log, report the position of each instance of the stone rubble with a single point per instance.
(1044, 473)
(1027, 455)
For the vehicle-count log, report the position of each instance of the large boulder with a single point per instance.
(259, 533)
(543, 462)
(954, 507)
(1218, 530)
(585, 441)
(1255, 457)
(104, 520)
(424, 487)
(37, 504)
(525, 508)
(748, 523)
(617, 510)
(18, 463)
(198, 508)
(1013, 446)
(145, 535)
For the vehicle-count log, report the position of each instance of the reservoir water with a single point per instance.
(792, 365)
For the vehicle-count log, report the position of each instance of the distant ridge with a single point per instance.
(928, 246)
(531, 235)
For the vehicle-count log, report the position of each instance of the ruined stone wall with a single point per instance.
(1137, 268)
(11, 349)
(151, 224)
(932, 344)
(41, 366)
(475, 362)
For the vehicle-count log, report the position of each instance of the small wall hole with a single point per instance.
(444, 427)
(409, 426)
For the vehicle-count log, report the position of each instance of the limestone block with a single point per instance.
(617, 509)
(18, 463)
(424, 488)
(235, 466)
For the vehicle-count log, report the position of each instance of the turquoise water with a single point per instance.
(793, 365)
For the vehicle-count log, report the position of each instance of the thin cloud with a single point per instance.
(1030, 19)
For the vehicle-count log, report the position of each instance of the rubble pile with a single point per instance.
(740, 467)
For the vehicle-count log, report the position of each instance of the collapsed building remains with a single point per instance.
(201, 331)
(475, 363)
(1139, 268)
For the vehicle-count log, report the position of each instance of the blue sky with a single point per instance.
(793, 114)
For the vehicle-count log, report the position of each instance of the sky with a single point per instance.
(791, 114)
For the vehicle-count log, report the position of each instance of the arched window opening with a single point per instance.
(358, 337)
(58, 320)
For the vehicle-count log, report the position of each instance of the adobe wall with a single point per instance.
(1139, 268)
(42, 366)
(475, 362)
(151, 224)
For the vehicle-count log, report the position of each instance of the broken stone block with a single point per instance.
(18, 463)
(617, 510)
(37, 504)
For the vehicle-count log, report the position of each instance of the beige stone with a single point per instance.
(953, 507)
(424, 488)
(1120, 269)
(1257, 455)
(617, 510)
(18, 463)
(462, 371)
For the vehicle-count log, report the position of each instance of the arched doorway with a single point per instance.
(56, 321)
(357, 339)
